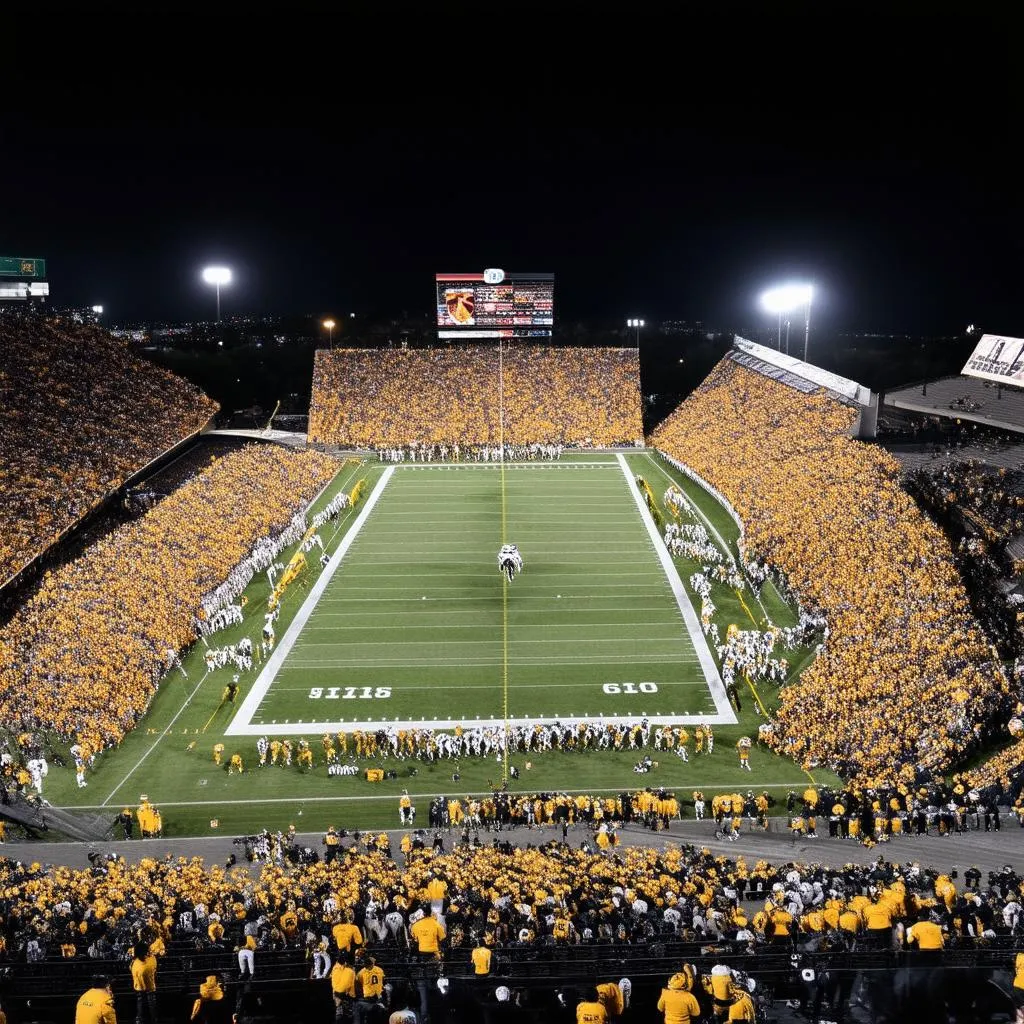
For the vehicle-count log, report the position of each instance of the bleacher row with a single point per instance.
(384, 397)
(766, 369)
(978, 399)
(79, 415)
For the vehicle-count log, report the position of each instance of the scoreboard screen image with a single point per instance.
(494, 304)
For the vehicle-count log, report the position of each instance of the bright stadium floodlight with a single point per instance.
(98, 310)
(217, 276)
(330, 325)
(785, 299)
(636, 324)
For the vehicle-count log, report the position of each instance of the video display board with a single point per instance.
(997, 358)
(495, 304)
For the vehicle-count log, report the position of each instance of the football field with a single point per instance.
(412, 623)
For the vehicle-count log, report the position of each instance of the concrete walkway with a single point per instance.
(990, 851)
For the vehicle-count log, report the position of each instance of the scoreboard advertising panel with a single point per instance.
(495, 304)
(999, 358)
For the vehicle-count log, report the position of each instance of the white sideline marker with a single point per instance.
(725, 714)
(241, 724)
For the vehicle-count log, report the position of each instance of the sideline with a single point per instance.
(156, 742)
(241, 723)
(725, 715)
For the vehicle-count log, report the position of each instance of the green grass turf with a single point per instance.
(559, 517)
(418, 610)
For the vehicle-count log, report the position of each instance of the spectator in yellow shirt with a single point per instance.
(925, 935)
(371, 988)
(96, 1005)
(144, 982)
(428, 933)
(347, 934)
(678, 1005)
(481, 957)
(590, 1010)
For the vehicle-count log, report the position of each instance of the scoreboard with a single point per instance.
(495, 304)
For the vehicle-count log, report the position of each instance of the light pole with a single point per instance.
(330, 325)
(217, 276)
(636, 324)
(785, 299)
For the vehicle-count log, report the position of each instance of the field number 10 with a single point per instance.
(350, 692)
(630, 687)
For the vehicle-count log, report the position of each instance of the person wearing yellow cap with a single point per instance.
(677, 1003)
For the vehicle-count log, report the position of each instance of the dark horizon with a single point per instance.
(893, 192)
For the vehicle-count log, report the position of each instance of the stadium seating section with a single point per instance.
(553, 918)
(83, 656)
(382, 397)
(905, 671)
(79, 414)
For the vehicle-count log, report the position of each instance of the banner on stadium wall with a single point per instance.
(999, 358)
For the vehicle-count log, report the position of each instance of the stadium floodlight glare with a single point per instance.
(217, 276)
(786, 298)
(97, 310)
(636, 325)
(330, 325)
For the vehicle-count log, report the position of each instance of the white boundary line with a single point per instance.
(137, 765)
(726, 715)
(240, 724)
(722, 543)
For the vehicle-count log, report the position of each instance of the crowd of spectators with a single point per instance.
(981, 508)
(84, 655)
(391, 397)
(79, 414)
(905, 675)
(509, 901)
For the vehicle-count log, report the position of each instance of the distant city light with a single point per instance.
(217, 276)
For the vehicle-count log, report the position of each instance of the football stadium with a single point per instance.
(475, 700)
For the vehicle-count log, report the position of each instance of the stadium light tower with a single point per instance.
(217, 276)
(785, 299)
(330, 325)
(636, 324)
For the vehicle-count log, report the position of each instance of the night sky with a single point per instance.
(887, 176)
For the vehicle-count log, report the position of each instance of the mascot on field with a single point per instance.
(510, 562)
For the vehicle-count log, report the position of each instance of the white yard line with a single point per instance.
(305, 727)
(135, 767)
(726, 715)
(263, 682)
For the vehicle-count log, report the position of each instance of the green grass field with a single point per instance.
(418, 626)
(413, 623)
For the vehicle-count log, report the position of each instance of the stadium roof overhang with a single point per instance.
(803, 376)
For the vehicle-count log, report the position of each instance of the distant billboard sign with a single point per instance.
(22, 266)
(494, 303)
(999, 358)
